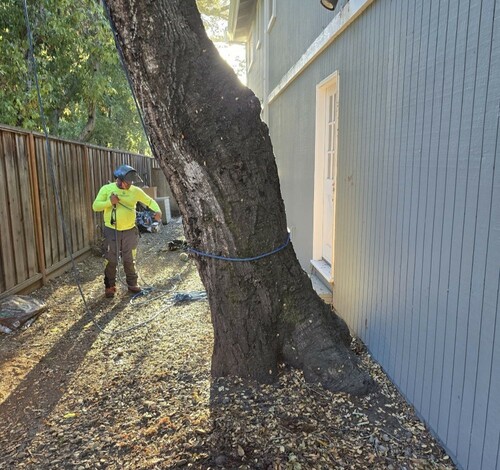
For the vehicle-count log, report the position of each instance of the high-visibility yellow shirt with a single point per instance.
(125, 209)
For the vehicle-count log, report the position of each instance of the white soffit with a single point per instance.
(351, 10)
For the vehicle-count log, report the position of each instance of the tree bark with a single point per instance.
(90, 124)
(215, 151)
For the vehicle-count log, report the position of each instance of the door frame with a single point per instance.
(326, 270)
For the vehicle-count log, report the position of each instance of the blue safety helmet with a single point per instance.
(128, 174)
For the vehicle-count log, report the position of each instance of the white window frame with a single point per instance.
(250, 49)
(271, 13)
(258, 24)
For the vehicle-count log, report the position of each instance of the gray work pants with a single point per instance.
(124, 243)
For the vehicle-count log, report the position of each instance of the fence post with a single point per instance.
(88, 197)
(37, 212)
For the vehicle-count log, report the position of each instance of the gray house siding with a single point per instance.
(255, 70)
(417, 246)
(297, 25)
(295, 161)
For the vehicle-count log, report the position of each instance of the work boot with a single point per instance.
(134, 289)
(109, 292)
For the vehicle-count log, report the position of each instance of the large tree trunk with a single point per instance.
(215, 151)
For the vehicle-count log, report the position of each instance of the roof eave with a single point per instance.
(240, 19)
(234, 7)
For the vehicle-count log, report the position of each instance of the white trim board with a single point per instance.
(325, 268)
(349, 13)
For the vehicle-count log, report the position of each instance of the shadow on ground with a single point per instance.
(26, 408)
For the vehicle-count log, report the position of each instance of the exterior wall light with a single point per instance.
(329, 4)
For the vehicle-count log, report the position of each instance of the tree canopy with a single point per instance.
(214, 15)
(84, 90)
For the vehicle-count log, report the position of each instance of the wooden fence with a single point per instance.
(36, 245)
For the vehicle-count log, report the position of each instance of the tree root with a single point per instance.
(320, 346)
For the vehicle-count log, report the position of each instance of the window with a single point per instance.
(258, 24)
(271, 13)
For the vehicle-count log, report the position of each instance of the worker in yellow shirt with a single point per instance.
(118, 201)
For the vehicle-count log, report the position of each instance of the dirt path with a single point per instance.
(73, 395)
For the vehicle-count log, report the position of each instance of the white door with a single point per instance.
(329, 172)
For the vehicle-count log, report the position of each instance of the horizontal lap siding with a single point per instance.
(418, 203)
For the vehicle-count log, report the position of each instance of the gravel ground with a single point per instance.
(125, 384)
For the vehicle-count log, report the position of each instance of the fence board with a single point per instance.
(42, 194)
(12, 170)
(68, 185)
(37, 223)
(29, 211)
(8, 278)
(22, 212)
(63, 250)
